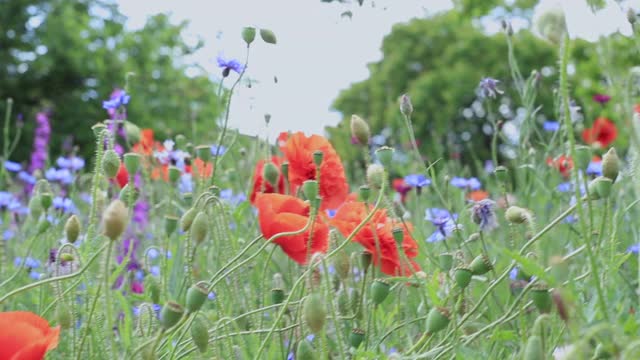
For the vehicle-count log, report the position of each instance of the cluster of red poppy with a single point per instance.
(26, 336)
(279, 212)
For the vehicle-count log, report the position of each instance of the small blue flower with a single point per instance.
(483, 213)
(594, 168)
(8, 235)
(444, 222)
(35, 275)
(9, 202)
(155, 270)
(27, 178)
(12, 166)
(513, 274)
(551, 126)
(66, 205)
(139, 275)
(417, 180)
(463, 183)
(331, 213)
(153, 253)
(218, 150)
(211, 296)
(489, 87)
(120, 98)
(565, 187)
(72, 163)
(186, 184)
(227, 65)
(458, 182)
(64, 176)
(379, 140)
(634, 249)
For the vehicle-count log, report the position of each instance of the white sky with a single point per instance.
(319, 52)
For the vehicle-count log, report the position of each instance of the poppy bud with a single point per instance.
(196, 295)
(35, 206)
(501, 173)
(72, 229)
(110, 163)
(385, 155)
(284, 169)
(365, 260)
(406, 108)
(541, 298)
(582, 157)
(98, 129)
(398, 235)
(517, 215)
(360, 130)
(462, 275)
(342, 264)
(131, 162)
(270, 173)
(248, 35)
(203, 152)
(170, 314)
(310, 189)
(46, 198)
(611, 164)
(534, 350)
(200, 335)
(305, 351)
(314, 312)
(181, 141)
(132, 131)
(187, 219)
(318, 156)
(600, 187)
(446, 261)
(170, 224)
(64, 315)
(174, 174)
(66, 257)
(375, 176)
(125, 193)
(277, 296)
(365, 193)
(356, 338)
(343, 303)
(268, 36)
(632, 17)
(199, 228)
(151, 285)
(379, 291)
(437, 319)
(114, 220)
(480, 265)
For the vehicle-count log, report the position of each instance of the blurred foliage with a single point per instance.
(68, 56)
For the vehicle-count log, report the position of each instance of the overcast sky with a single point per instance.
(320, 51)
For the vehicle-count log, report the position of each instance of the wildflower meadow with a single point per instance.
(377, 239)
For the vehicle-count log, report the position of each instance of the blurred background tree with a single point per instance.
(69, 55)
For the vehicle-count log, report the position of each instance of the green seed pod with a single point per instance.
(170, 224)
(365, 260)
(200, 335)
(153, 288)
(270, 173)
(360, 130)
(379, 291)
(437, 320)
(375, 176)
(115, 220)
(268, 36)
(248, 35)
(132, 162)
(583, 156)
(110, 163)
(318, 156)
(446, 261)
(385, 155)
(277, 296)
(64, 315)
(187, 219)
(199, 228)
(132, 131)
(170, 314)
(314, 312)
(72, 229)
(174, 174)
(517, 215)
(284, 169)
(541, 298)
(196, 295)
(601, 187)
(356, 338)
(480, 265)
(43, 226)
(47, 200)
(310, 189)
(462, 276)
(35, 206)
(398, 235)
(181, 141)
(204, 152)
(501, 173)
(365, 193)
(611, 164)
(305, 351)
(534, 350)
(129, 191)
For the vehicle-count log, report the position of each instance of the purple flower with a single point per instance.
(141, 213)
(228, 65)
(417, 180)
(551, 126)
(12, 166)
(634, 249)
(444, 222)
(118, 99)
(489, 87)
(488, 166)
(601, 98)
(483, 213)
(42, 133)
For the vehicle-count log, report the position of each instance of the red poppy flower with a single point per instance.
(636, 108)
(122, 177)
(380, 227)
(299, 150)
(603, 132)
(26, 336)
(203, 169)
(260, 185)
(147, 144)
(402, 188)
(477, 195)
(279, 213)
(160, 172)
(562, 163)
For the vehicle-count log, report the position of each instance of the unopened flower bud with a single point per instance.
(187, 219)
(196, 295)
(200, 335)
(43, 226)
(360, 130)
(437, 320)
(72, 229)
(203, 152)
(277, 296)
(480, 265)
(385, 155)
(132, 131)
(379, 291)
(64, 315)
(270, 173)
(47, 200)
(115, 220)
(310, 189)
(170, 314)
(583, 156)
(541, 298)
(132, 162)
(174, 174)
(181, 141)
(365, 193)
(611, 164)
(129, 194)
(248, 35)
(268, 36)
(170, 224)
(314, 312)
(517, 215)
(342, 264)
(356, 338)
(318, 156)
(375, 176)
(284, 169)
(35, 206)
(199, 228)
(406, 108)
(365, 260)
(600, 187)
(462, 276)
(398, 235)
(502, 173)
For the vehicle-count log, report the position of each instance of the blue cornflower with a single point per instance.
(228, 65)
(551, 126)
(64, 176)
(66, 205)
(634, 249)
(72, 163)
(331, 213)
(156, 309)
(463, 183)
(155, 270)
(211, 296)
(235, 200)
(27, 178)
(513, 274)
(9, 202)
(186, 184)
(483, 213)
(153, 253)
(459, 182)
(378, 140)
(565, 187)
(489, 87)
(8, 234)
(594, 168)
(417, 180)
(218, 150)
(28, 262)
(12, 166)
(444, 222)
(118, 99)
